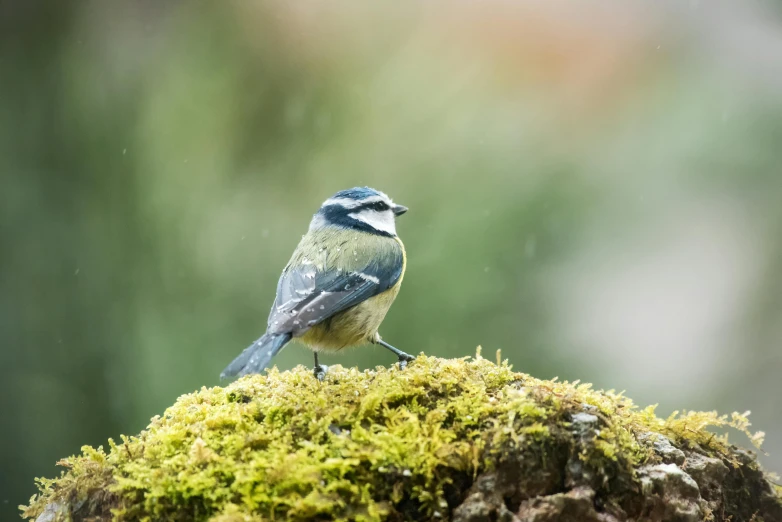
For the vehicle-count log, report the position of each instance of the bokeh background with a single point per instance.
(595, 189)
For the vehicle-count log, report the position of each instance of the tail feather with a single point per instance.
(256, 357)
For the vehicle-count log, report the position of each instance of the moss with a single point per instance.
(373, 445)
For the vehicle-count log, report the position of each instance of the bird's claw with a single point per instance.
(320, 372)
(404, 359)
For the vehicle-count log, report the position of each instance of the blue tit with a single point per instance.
(338, 285)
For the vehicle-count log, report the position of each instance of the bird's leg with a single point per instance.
(404, 358)
(320, 369)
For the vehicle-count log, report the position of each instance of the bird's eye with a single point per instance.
(380, 206)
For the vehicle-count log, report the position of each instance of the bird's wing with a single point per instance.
(307, 295)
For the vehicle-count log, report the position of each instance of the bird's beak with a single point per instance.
(399, 210)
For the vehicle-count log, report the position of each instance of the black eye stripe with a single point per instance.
(378, 206)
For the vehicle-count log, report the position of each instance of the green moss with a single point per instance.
(361, 446)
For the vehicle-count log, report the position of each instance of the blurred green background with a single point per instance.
(595, 190)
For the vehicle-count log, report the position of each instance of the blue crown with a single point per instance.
(356, 193)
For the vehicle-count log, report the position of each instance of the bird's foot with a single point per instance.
(405, 358)
(320, 371)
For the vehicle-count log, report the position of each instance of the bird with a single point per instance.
(338, 285)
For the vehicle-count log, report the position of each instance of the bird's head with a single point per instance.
(360, 208)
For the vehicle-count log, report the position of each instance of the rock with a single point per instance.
(54, 512)
(709, 473)
(576, 505)
(479, 508)
(669, 494)
(663, 447)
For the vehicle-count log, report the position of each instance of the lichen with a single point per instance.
(382, 444)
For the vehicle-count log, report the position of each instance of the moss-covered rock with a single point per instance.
(462, 440)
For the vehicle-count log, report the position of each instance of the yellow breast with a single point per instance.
(356, 325)
(404, 263)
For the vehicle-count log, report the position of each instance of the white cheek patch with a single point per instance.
(382, 221)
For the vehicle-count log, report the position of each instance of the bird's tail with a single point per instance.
(256, 357)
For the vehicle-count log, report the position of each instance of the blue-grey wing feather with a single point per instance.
(307, 296)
